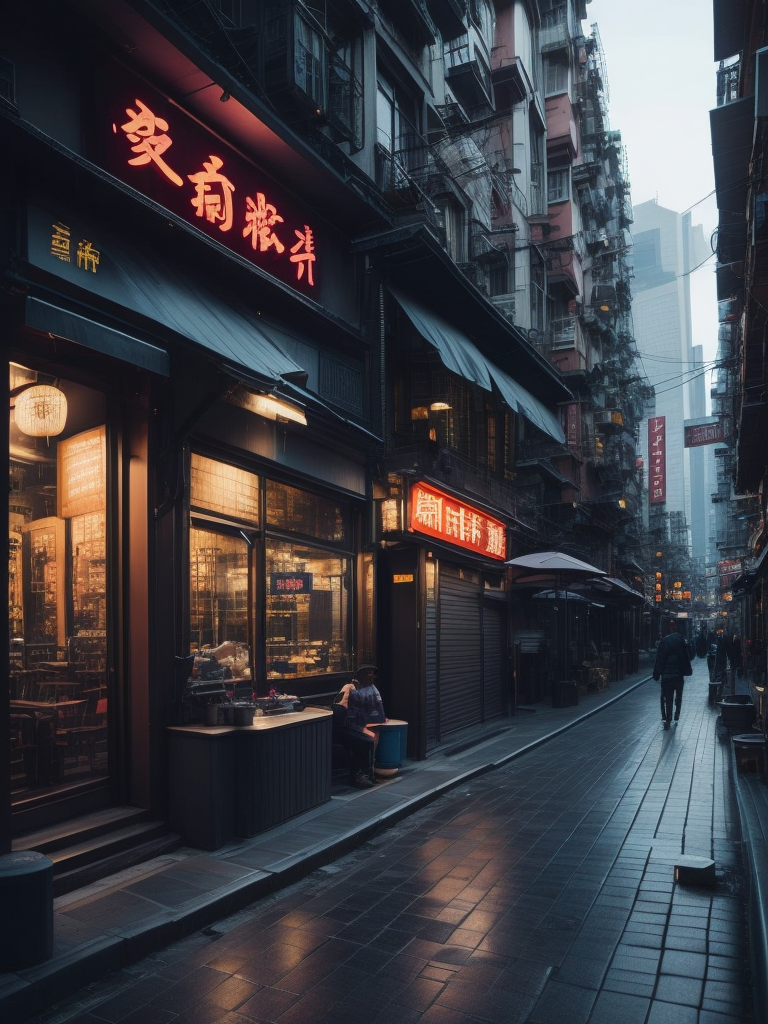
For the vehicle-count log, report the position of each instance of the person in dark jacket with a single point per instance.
(671, 666)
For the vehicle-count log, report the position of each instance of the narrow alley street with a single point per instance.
(539, 893)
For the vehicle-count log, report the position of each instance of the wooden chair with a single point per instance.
(93, 730)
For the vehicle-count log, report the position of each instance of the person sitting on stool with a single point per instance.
(364, 707)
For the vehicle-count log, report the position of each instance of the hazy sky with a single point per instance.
(661, 77)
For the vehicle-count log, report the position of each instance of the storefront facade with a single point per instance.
(198, 511)
(442, 612)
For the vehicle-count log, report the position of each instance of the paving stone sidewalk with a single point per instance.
(540, 891)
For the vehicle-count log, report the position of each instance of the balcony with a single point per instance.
(449, 16)
(510, 83)
(553, 34)
(468, 77)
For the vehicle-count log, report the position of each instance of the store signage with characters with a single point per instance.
(290, 582)
(710, 430)
(657, 472)
(440, 515)
(152, 145)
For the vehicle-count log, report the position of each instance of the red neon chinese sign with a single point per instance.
(444, 517)
(157, 149)
(657, 478)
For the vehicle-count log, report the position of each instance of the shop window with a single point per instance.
(290, 508)
(220, 606)
(218, 487)
(57, 584)
(308, 611)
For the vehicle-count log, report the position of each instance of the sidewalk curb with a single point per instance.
(755, 844)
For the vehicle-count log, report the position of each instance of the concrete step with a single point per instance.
(79, 828)
(94, 846)
(92, 861)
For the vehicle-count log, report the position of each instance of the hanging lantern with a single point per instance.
(41, 411)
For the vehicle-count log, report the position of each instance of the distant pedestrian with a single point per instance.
(734, 657)
(671, 666)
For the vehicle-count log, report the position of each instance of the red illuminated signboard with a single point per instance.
(290, 582)
(439, 515)
(657, 470)
(711, 431)
(152, 145)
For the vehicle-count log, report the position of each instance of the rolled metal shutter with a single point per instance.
(460, 683)
(494, 660)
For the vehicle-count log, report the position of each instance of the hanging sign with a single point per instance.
(657, 471)
(711, 430)
(440, 515)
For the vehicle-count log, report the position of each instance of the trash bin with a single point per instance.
(565, 694)
(26, 896)
(393, 743)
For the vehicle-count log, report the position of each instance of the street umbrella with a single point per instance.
(556, 569)
(544, 566)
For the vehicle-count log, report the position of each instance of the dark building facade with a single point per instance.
(272, 412)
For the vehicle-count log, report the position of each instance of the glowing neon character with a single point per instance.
(213, 194)
(149, 146)
(60, 242)
(88, 258)
(304, 253)
(260, 218)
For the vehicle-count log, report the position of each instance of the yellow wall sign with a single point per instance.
(403, 577)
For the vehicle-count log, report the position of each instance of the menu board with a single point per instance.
(82, 473)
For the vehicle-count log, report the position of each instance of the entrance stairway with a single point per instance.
(86, 849)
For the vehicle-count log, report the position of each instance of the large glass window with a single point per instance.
(57, 583)
(308, 611)
(294, 578)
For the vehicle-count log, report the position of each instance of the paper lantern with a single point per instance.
(41, 411)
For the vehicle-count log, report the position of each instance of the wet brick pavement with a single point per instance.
(541, 892)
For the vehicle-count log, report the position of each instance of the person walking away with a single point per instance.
(671, 666)
(365, 707)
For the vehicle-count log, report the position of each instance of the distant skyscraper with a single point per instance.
(666, 249)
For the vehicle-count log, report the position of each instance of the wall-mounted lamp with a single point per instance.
(268, 406)
(440, 407)
(41, 410)
(225, 97)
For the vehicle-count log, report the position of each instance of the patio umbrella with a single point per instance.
(557, 569)
(550, 565)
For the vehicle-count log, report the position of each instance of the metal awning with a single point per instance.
(732, 127)
(462, 357)
(730, 27)
(44, 316)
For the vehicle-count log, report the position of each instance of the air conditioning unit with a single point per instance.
(608, 418)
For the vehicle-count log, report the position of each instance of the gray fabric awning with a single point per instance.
(523, 402)
(43, 316)
(462, 357)
(201, 316)
(456, 351)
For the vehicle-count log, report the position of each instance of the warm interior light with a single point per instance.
(276, 409)
(41, 411)
(440, 407)
(420, 412)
